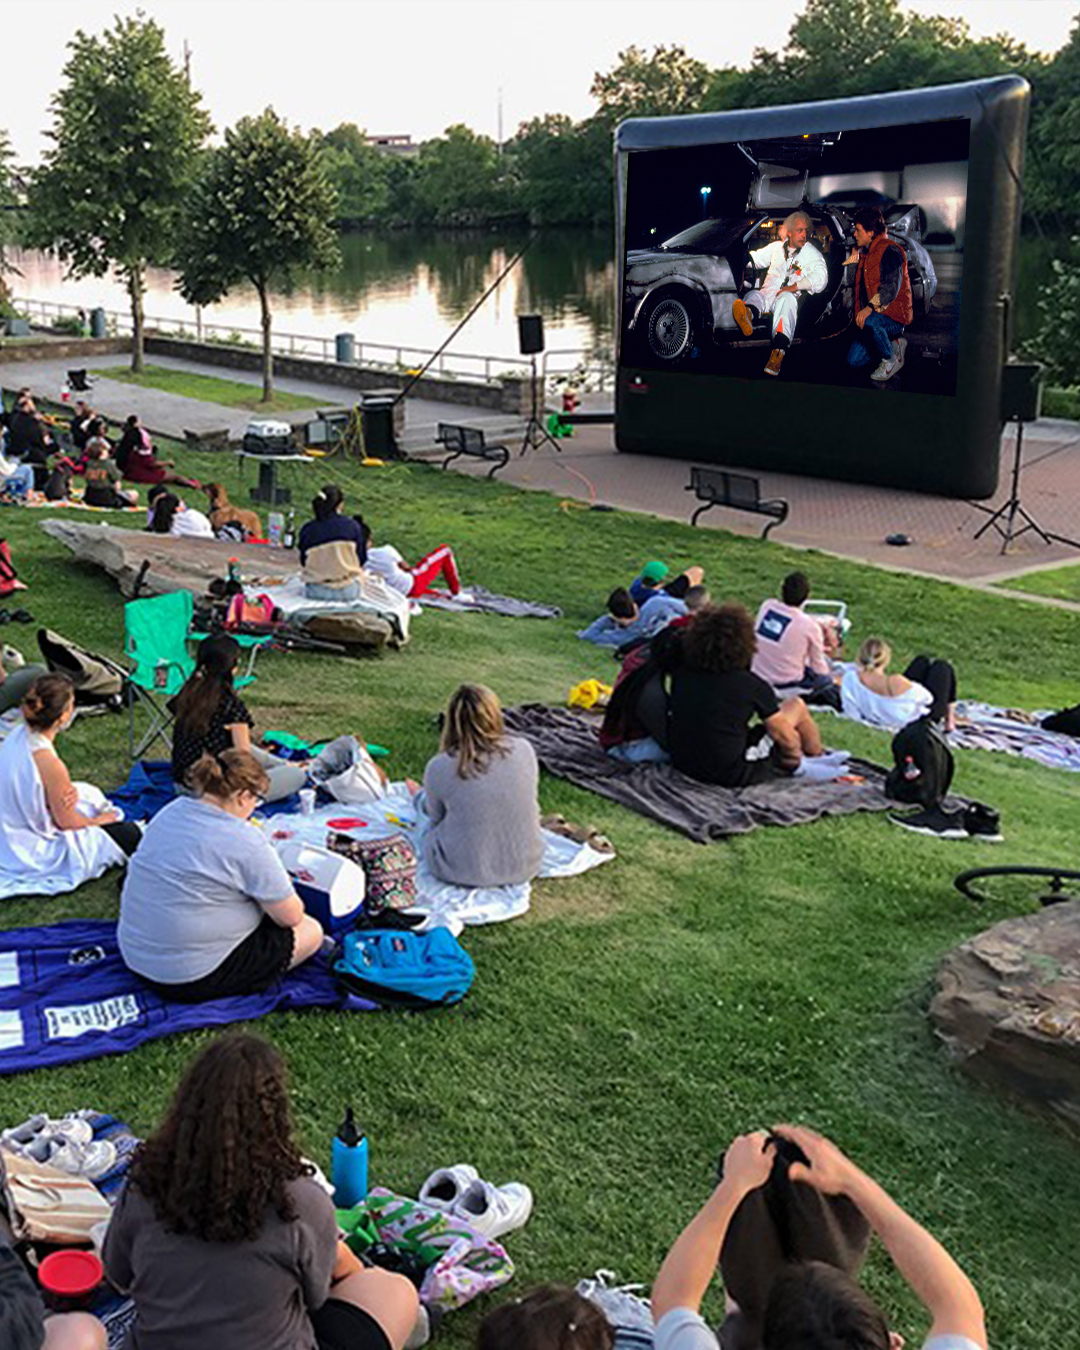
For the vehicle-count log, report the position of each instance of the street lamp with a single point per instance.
(705, 201)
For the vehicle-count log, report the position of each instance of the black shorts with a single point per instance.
(263, 957)
(343, 1326)
(678, 587)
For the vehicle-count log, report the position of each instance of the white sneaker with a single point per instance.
(899, 349)
(81, 1160)
(445, 1187)
(466, 597)
(494, 1210)
(886, 370)
(30, 1132)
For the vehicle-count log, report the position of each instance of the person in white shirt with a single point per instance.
(772, 258)
(801, 270)
(386, 562)
(172, 516)
(812, 1303)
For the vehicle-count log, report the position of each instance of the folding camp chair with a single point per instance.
(156, 636)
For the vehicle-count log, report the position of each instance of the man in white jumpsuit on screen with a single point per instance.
(796, 269)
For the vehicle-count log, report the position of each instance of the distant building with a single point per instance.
(394, 145)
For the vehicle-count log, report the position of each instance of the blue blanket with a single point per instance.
(150, 786)
(66, 995)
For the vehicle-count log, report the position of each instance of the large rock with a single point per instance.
(161, 563)
(1008, 1006)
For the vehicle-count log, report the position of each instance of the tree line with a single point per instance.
(130, 177)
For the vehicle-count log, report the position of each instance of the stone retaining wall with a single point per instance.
(56, 349)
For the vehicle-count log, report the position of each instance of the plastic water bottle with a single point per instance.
(289, 537)
(233, 582)
(276, 528)
(349, 1163)
(911, 769)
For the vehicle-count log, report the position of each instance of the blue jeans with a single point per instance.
(643, 751)
(20, 481)
(873, 342)
(340, 594)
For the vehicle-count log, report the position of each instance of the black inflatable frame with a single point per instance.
(946, 445)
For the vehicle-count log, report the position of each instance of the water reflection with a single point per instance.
(405, 286)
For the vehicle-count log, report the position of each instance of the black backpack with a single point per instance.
(922, 765)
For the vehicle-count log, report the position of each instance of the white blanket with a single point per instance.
(37, 858)
(446, 906)
(376, 597)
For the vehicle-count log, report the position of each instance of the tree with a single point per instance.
(657, 85)
(260, 209)
(358, 173)
(126, 130)
(8, 203)
(458, 181)
(562, 170)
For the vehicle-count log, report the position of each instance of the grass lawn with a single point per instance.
(640, 1015)
(1063, 583)
(209, 389)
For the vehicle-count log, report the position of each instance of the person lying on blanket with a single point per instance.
(386, 562)
(480, 797)
(54, 834)
(653, 580)
(208, 910)
(333, 550)
(223, 1237)
(210, 717)
(714, 695)
(626, 624)
(867, 692)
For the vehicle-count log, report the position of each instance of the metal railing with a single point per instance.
(589, 369)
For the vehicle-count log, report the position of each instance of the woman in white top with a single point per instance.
(172, 516)
(869, 693)
(54, 834)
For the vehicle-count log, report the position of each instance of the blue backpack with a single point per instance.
(405, 970)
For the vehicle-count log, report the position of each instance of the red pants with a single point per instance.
(439, 562)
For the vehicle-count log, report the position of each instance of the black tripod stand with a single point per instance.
(535, 431)
(1009, 510)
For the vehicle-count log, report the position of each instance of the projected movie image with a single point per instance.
(828, 258)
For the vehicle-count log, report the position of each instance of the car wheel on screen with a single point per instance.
(668, 327)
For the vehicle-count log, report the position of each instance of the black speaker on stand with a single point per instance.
(530, 342)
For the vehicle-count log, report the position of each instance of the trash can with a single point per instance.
(97, 323)
(345, 349)
(377, 418)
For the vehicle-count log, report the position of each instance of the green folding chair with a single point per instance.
(157, 631)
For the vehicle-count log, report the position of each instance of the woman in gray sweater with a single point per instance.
(480, 797)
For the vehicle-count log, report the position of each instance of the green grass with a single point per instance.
(209, 389)
(640, 1015)
(1061, 583)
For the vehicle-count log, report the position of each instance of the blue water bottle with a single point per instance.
(349, 1163)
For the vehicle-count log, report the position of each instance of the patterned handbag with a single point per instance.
(389, 868)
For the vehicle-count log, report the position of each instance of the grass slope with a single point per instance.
(1061, 583)
(639, 1016)
(208, 388)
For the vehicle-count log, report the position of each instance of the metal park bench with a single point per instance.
(470, 441)
(740, 491)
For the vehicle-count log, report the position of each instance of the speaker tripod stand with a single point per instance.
(1013, 508)
(535, 431)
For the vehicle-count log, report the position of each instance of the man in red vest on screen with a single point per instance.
(882, 297)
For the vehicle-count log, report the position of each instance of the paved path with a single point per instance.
(848, 519)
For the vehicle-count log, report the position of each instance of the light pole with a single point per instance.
(705, 202)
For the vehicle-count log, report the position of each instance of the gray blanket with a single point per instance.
(566, 745)
(487, 602)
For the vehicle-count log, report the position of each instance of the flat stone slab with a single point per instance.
(167, 564)
(1008, 1007)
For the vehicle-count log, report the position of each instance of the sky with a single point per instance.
(416, 66)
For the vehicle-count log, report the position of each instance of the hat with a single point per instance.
(654, 571)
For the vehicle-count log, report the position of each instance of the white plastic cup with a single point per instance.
(307, 801)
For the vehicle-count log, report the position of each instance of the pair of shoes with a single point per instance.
(67, 1145)
(983, 823)
(934, 821)
(491, 1210)
(16, 616)
(776, 357)
(740, 312)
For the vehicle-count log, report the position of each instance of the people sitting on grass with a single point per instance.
(103, 474)
(549, 1317)
(626, 624)
(54, 833)
(24, 1324)
(172, 516)
(333, 550)
(791, 648)
(809, 1302)
(868, 693)
(480, 797)
(440, 564)
(137, 461)
(211, 717)
(652, 579)
(208, 910)
(29, 441)
(81, 424)
(223, 1238)
(715, 695)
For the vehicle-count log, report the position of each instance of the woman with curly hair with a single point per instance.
(222, 1237)
(714, 696)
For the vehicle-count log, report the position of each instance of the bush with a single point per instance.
(1057, 342)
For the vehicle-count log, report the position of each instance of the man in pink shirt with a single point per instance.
(790, 644)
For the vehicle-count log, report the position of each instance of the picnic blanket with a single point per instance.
(376, 597)
(483, 601)
(66, 995)
(566, 745)
(150, 786)
(983, 726)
